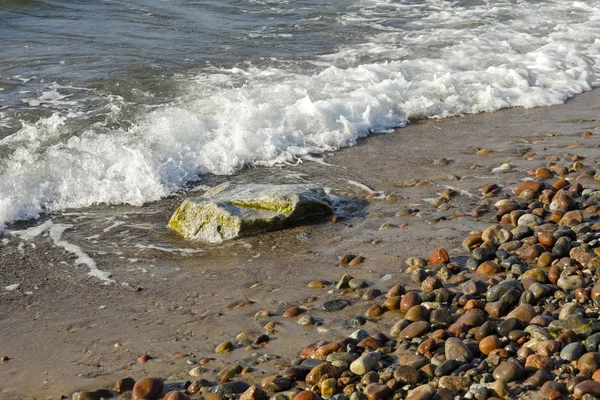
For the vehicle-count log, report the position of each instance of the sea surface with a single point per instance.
(128, 101)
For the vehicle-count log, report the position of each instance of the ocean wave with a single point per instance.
(427, 60)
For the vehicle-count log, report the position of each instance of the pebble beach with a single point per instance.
(456, 265)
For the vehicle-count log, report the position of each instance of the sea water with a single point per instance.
(110, 101)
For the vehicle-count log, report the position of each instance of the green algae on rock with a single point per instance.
(233, 210)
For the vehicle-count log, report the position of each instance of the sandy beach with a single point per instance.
(63, 330)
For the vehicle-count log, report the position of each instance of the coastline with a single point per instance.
(61, 338)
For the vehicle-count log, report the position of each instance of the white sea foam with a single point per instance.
(55, 231)
(430, 59)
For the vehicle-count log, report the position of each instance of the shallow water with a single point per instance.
(125, 102)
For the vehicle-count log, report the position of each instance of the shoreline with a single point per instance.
(173, 297)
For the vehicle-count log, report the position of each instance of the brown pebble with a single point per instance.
(439, 256)
(147, 388)
(306, 395)
(412, 299)
(587, 387)
(144, 359)
(125, 385)
(292, 312)
(396, 290)
(254, 392)
(356, 261)
(489, 343)
(375, 311)
(269, 326)
(176, 395)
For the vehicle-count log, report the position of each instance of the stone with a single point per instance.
(588, 363)
(228, 389)
(488, 268)
(94, 395)
(535, 186)
(375, 311)
(489, 343)
(147, 389)
(377, 391)
(407, 375)
(550, 387)
(439, 256)
(446, 367)
(254, 392)
(414, 330)
(538, 378)
(323, 351)
(496, 309)
(524, 313)
(575, 322)
(423, 392)
(509, 371)
(124, 385)
(344, 282)
(417, 313)
(441, 316)
(233, 210)
(306, 395)
(474, 288)
(315, 374)
(471, 318)
(409, 300)
(496, 292)
(570, 282)
(587, 387)
(571, 218)
(335, 305)
(430, 284)
(496, 234)
(396, 291)
(592, 342)
(455, 383)
(536, 361)
(225, 346)
(455, 349)
(275, 383)
(548, 347)
(306, 320)
(365, 363)
(176, 395)
(392, 303)
(572, 351)
(291, 312)
(328, 387)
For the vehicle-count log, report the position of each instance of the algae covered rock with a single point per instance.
(232, 210)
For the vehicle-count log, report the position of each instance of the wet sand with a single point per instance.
(59, 327)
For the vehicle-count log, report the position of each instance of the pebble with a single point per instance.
(572, 351)
(176, 395)
(365, 363)
(254, 392)
(423, 392)
(147, 388)
(439, 256)
(306, 320)
(509, 371)
(335, 305)
(223, 347)
(292, 312)
(414, 330)
(376, 391)
(125, 385)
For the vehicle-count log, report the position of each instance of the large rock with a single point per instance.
(232, 210)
